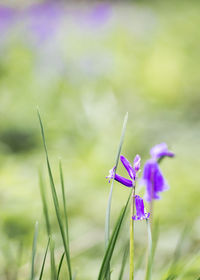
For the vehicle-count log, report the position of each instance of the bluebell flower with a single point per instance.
(131, 169)
(152, 177)
(160, 151)
(140, 211)
(154, 180)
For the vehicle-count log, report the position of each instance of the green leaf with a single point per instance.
(34, 250)
(64, 202)
(105, 266)
(60, 265)
(150, 252)
(108, 210)
(125, 256)
(44, 203)
(55, 201)
(52, 256)
(44, 260)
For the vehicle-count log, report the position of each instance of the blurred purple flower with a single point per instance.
(132, 171)
(7, 16)
(152, 175)
(44, 19)
(154, 180)
(160, 151)
(97, 15)
(140, 211)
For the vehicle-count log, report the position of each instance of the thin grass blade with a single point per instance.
(44, 203)
(60, 265)
(155, 236)
(34, 246)
(105, 266)
(107, 222)
(48, 226)
(108, 210)
(52, 258)
(124, 260)
(55, 201)
(44, 260)
(149, 262)
(64, 202)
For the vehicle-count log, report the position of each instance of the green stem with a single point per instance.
(151, 213)
(149, 263)
(131, 273)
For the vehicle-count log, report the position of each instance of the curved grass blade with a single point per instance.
(44, 203)
(64, 201)
(60, 265)
(149, 262)
(107, 223)
(108, 210)
(34, 250)
(125, 256)
(44, 260)
(55, 201)
(48, 226)
(105, 266)
(52, 258)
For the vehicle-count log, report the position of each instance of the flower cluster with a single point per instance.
(132, 171)
(152, 177)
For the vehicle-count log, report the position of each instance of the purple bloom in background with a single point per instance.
(140, 211)
(154, 180)
(132, 171)
(44, 19)
(96, 16)
(160, 150)
(7, 16)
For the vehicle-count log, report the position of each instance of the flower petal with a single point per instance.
(136, 163)
(139, 205)
(154, 180)
(160, 150)
(123, 181)
(128, 167)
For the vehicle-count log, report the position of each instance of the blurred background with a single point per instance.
(85, 64)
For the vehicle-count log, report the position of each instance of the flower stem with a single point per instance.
(151, 213)
(149, 262)
(131, 273)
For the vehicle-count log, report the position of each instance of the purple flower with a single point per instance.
(44, 19)
(136, 163)
(7, 16)
(132, 171)
(140, 211)
(154, 180)
(160, 150)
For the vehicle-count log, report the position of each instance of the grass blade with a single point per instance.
(155, 236)
(149, 262)
(60, 265)
(44, 203)
(55, 201)
(34, 250)
(48, 226)
(44, 260)
(105, 266)
(108, 210)
(107, 223)
(52, 258)
(125, 256)
(64, 201)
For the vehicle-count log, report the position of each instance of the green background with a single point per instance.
(142, 58)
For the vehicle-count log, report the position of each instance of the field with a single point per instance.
(83, 66)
